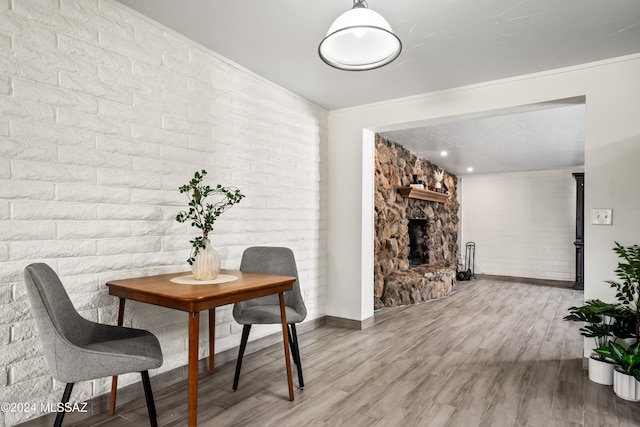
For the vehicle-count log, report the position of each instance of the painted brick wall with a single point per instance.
(103, 114)
(523, 223)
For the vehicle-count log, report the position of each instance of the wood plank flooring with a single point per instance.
(496, 353)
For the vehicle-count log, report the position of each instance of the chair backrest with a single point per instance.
(273, 260)
(56, 318)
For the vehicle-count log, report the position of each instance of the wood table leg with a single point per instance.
(285, 339)
(114, 380)
(194, 329)
(212, 338)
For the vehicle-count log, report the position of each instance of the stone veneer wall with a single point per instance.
(395, 282)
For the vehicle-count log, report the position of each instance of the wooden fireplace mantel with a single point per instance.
(418, 193)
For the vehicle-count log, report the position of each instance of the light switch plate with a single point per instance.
(601, 216)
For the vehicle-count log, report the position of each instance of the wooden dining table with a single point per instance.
(162, 291)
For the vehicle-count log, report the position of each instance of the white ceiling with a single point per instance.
(536, 137)
(446, 44)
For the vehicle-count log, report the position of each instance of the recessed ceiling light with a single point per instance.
(443, 153)
(469, 169)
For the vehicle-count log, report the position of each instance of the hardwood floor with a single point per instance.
(496, 353)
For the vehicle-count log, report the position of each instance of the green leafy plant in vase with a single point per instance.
(626, 360)
(628, 285)
(600, 320)
(626, 376)
(203, 212)
(597, 315)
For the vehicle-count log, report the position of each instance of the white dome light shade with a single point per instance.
(360, 39)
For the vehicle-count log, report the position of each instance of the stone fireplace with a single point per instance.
(416, 232)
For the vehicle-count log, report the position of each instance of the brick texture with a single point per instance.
(103, 114)
(520, 221)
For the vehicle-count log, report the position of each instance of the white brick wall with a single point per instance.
(103, 114)
(523, 223)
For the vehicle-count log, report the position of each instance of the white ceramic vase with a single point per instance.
(626, 386)
(207, 263)
(600, 372)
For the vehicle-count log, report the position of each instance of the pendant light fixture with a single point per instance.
(359, 39)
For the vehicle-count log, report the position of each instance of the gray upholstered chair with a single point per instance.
(77, 349)
(266, 310)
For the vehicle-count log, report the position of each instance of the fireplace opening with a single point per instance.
(418, 242)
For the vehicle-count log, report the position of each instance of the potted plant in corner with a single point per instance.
(626, 375)
(628, 288)
(599, 318)
(204, 260)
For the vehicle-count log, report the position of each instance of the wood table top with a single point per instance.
(159, 290)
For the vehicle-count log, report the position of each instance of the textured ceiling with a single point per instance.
(446, 44)
(538, 138)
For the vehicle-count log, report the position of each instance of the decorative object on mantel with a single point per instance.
(204, 260)
(439, 176)
(417, 183)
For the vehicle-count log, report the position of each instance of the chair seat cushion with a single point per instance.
(267, 314)
(112, 351)
(134, 352)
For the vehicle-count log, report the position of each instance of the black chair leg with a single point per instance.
(148, 394)
(292, 345)
(65, 399)
(295, 350)
(243, 345)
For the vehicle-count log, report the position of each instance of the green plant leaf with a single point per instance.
(617, 351)
(604, 352)
(201, 212)
(628, 284)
